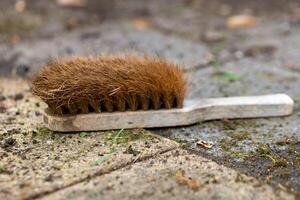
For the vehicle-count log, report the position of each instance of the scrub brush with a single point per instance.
(128, 91)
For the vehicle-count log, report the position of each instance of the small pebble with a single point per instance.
(18, 97)
(205, 144)
(9, 142)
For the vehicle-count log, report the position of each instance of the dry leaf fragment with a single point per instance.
(191, 183)
(205, 144)
(296, 13)
(72, 23)
(71, 3)
(20, 5)
(241, 21)
(140, 24)
(15, 39)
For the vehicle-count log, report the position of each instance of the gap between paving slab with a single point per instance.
(156, 179)
(47, 183)
(42, 162)
(36, 161)
(267, 148)
(115, 164)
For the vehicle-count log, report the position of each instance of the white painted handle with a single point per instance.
(193, 112)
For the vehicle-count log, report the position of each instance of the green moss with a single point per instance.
(239, 135)
(2, 168)
(285, 174)
(41, 133)
(277, 160)
(269, 157)
(292, 150)
(270, 160)
(227, 145)
(227, 75)
(83, 134)
(181, 143)
(178, 140)
(281, 162)
(263, 149)
(224, 145)
(240, 155)
(123, 137)
(237, 124)
(102, 159)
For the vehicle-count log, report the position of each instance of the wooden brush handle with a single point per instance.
(241, 107)
(194, 111)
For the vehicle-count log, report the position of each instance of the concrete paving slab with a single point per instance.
(265, 148)
(251, 77)
(35, 161)
(119, 37)
(156, 179)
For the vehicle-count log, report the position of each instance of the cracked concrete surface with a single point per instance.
(155, 179)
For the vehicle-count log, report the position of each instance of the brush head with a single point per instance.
(110, 83)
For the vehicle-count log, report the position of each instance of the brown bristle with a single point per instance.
(110, 83)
